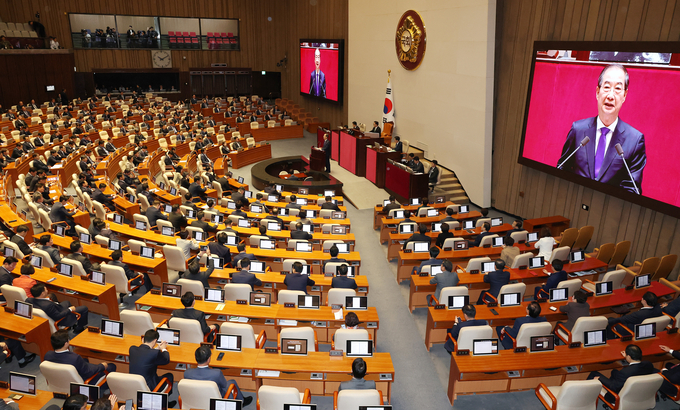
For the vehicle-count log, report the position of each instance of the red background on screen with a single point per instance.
(329, 66)
(565, 92)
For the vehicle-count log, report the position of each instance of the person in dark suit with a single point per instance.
(672, 308)
(598, 160)
(333, 251)
(60, 213)
(77, 255)
(576, 308)
(421, 236)
(243, 276)
(636, 367)
(189, 312)
(63, 355)
(317, 79)
(516, 227)
(204, 372)
(443, 235)
(392, 205)
(195, 189)
(194, 272)
(202, 222)
(298, 233)
(341, 281)
(358, 382)
(145, 359)
(433, 174)
(296, 280)
(18, 239)
(327, 149)
(58, 311)
(54, 159)
(418, 166)
(469, 313)
(533, 316)
(46, 244)
(176, 218)
(116, 260)
(99, 196)
(434, 252)
(553, 280)
(241, 248)
(486, 227)
(650, 308)
(10, 348)
(376, 127)
(671, 372)
(220, 248)
(153, 213)
(329, 204)
(445, 279)
(293, 203)
(398, 147)
(497, 279)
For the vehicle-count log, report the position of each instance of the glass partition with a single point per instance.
(180, 32)
(138, 31)
(93, 31)
(219, 34)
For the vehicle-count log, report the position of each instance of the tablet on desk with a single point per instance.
(532, 237)
(168, 335)
(191, 213)
(256, 209)
(414, 201)
(146, 252)
(141, 225)
(243, 223)
(457, 301)
(463, 209)
(308, 301)
(488, 267)
(59, 230)
(536, 262)
(511, 299)
(497, 242)
(98, 278)
(198, 235)
(542, 343)
(9, 252)
(303, 247)
(399, 214)
(112, 328)
(645, 331)
(22, 383)
(436, 227)
(118, 219)
(558, 294)
(329, 192)
(260, 299)
(307, 228)
(421, 247)
(65, 269)
(359, 348)
(342, 247)
(460, 245)
(293, 406)
(405, 228)
(231, 240)
(152, 401)
(468, 224)
(356, 302)
(435, 270)
(267, 244)
(167, 231)
(226, 404)
(214, 295)
(91, 392)
(577, 256)
(171, 289)
(215, 262)
(386, 202)
(483, 347)
(431, 213)
(36, 261)
(496, 221)
(23, 309)
(273, 226)
(226, 342)
(642, 281)
(84, 238)
(231, 205)
(294, 346)
(594, 338)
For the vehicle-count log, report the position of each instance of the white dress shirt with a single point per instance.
(608, 138)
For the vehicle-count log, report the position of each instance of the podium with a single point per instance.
(403, 183)
(353, 151)
(317, 160)
(376, 163)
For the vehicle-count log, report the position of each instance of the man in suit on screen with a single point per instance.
(317, 83)
(599, 160)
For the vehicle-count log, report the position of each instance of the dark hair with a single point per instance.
(518, 223)
(545, 232)
(580, 296)
(116, 255)
(37, 289)
(469, 310)
(508, 241)
(241, 247)
(351, 319)
(447, 265)
(422, 229)
(194, 266)
(302, 214)
(445, 227)
(434, 252)
(407, 213)
(75, 245)
(484, 211)
(75, 402)
(650, 298)
(22, 228)
(45, 239)
(557, 264)
(245, 262)
(342, 270)
(449, 211)
(610, 66)
(487, 226)
(59, 339)
(298, 226)
(102, 403)
(334, 251)
(634, 352)
(359, 368)
(202, 354)
(221, 238)
(297, 267)
(534, 309)
(27, 270)
(10, 260)
(210, 203)
(151, 335)
(98, 223)
(263, 230)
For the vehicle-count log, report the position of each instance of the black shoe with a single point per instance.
(28, 359)
(172, 404)
(8, 359)
(247, 401)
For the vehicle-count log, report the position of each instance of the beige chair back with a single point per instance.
(583, 238)
(476, 263)
(572, 395)
(237, 291)
(241, 329)
(569, 237)
(341, 337)
(639, 392)
(126, 385)
(661, 322)
(532, 329)
(196, 394)
(352, 399)
(136, 322)
(289, 296)
(561, 253)
(521, 260)
(12, 293)
(337, 296)
(572, 286)
(469, 333)
(300, 333)
(190, 329)
(193, 286)
(620, 253)
(274, 397)
(59, 376)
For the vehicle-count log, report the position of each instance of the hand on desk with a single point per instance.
(162, 345)
(663, 305)
(665, 348)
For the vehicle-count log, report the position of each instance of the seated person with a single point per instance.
(636, 367)
(509, 252)
(10, 348)
(302, 217)
(392, 205)
(63, 355)
(204, 372)
(333, 251)
(296, 280)
(194, 272)
(358, 382)
(186, 244)
(145, 359)
(469, 313)
(329, 204)
(650, 308)
(263, 232)
(407, 219)
(446, 278)
(497, 279)
(671, 308)
(77, 255)
(220, 249)
(449, 216)
(58, 311)
(189, 312)
(553, 280)
(421, 236)
(485, 232)
(25, 281)
(434, 252)
(671, 373)
(18, 239)
(516, 227)
(202, 222)
(342, 281)
(533, 316)
(298, 233)
(46, 244)
(243, 276)
(443, 235)
(576, 308)
(293, 203)
(116, 260)
(241, 248)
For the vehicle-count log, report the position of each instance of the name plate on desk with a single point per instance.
(542, 300)
(521, 349)
(316, 288)
(474, 271)
(385, 376)
(93, 329)
(448, 248)
(4, 385)
(672, 330)
(289, 305)
(408, 250)
(241, 302)
(492, 304)
(246, 372)
(284, 272)
(62, 396)
(362, 290)
(439, 307)
(320, 324)
(626, 338)
(334, 307)
(267, 285)
(335, 353)
(9, 309)
(316, 376)
(372, 325)
(155, 292)
(463, 352)
(209, 345)
(630, 287)
(523, 267)
(573, 345)
(328, 274)
(273, 350)
(487, 245)
(388, 217)
(423, 274)
(85, 278)
(196, 297)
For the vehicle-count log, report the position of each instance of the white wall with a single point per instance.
(446, 105)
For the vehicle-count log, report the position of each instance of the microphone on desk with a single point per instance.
(619, 151)
(583, 143)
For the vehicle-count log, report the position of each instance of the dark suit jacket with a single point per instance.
(317, 88)
(54, 310)
(244, 276)
(300, 235)
(418, 168)
(59, 213)
(144, 361)
(201, 276)
(433, 175)
(612, 171)
(343, 282)
(196, 191)
(497, 279)
(206, 373)
(83, 367)
(154, 214)
(205, 226)
(554, 280)
(330, 205)
(673, 374)
(574, 310)
(6, 277)
(479, 238)
(635, 318)
(87, 265)
(240, 256)
(191, 313)
(21, 243)
(514, 330)
(417, 237)
(298, 281)
(178, 220)
(673, 308)
(455, 331)
(618, 378)
(221, 251)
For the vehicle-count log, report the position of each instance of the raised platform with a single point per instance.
(268, 171)
(277, 133)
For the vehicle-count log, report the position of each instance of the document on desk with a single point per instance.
(268, 373)
(287, 322)
(238, 319)
(337, 314)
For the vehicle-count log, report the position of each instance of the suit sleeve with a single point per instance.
(162, 358)
(636, 163)
(24, 248)
(86, 369)
(256, 281)
(56, 311)
(568, 147)
(310, 282)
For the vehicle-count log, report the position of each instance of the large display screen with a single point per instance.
(605, 115)
(321, 69)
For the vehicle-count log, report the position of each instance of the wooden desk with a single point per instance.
(13, 220)
(34, 333)
(317, 160)
(274, 258)
(38, 401)
(439, 321)
(477, 374)
(265, 318)
(250, 155)
(378, 213)
(557, 224)
(420, 285)
(404, 184)
(388, 225)
(277, 133)
(376, 163)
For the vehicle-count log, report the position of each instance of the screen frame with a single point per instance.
(341, 68)
(621, 46)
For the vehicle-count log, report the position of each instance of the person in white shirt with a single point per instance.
(186, 244)
(545, 244)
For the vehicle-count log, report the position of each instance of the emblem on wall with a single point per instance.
(410, 40)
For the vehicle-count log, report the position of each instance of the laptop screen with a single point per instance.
(65, 269)
(436, 226)
(257, 266)
(329, 192)
(463, 209)
(225, 404)
(227, 342)
(294, 346)
(386, 202)
(214, 295)
(240, 180)
(167, 231)
(260, 299)
(511, 299)
(243, 223)
(406, 228)
(414, 201)
(191, 213)
(288, 406)
(9, 252)
(532, 237)
(115, 245)
(231, 240)
(168, 208)
(308, 301)
(303, 247)
(117, 218)
(272, 198)
(301, 191)
(36, 261)
(98, 278)
(112, 328)
(356, 302)
(421, 247)
(359, 348)
(152, 401)
(399, 214)
(496, 221)
(92, 392)
(218, 219)
(342, 247)
(488, 267)
(146, 252)
(85, 238)
(171, 289)
(216, 263)
(645, 331)
(23, 309)
(301, 201)
(173, 191)
(273, 226)
(435, 270)
(267, 244)
(577, 256)
(257, 209)
(231, 205)
(642, 281)
(168, 335)
(141, 225)
(542, 343)
(558, 294)
(458, 301)
(468, 224)
(594, 338)
(22, 383)
(536, 262)
(604, 288)
(248, 194)
(58, 230)
(338, 229)
(307, 228)
(497, 242)
(482, 347)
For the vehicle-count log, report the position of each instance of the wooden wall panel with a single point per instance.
(263, 42)
(519, 24)
(30, 73)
